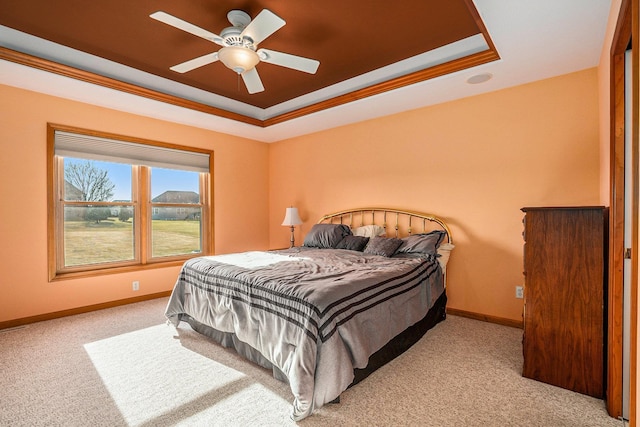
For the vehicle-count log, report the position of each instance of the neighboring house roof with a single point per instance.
(172, 196)
(71, 192)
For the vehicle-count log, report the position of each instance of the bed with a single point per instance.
(366, 285)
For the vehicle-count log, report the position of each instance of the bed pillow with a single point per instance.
(326, 235)
(369, 231)
(444, 251)
(385, 246)
(353, 243)
(426, 243)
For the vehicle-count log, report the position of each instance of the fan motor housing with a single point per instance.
(232, 37)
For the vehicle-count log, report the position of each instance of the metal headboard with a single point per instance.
(380, 216)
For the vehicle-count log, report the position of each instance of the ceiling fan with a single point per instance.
(239, 43)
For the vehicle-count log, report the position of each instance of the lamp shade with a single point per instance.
(291, 217)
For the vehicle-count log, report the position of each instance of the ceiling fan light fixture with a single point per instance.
(239, 43)
(238, 58)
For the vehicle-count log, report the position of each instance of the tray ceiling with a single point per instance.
(519, 42)
(364, 48)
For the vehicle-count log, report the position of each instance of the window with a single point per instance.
(119, 203)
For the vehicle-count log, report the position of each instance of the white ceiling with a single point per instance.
(536, 39)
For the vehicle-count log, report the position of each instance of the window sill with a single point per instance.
(115, 270)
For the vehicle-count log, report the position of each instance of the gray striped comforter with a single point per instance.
(313, 314)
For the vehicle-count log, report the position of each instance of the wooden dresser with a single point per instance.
(565, 259)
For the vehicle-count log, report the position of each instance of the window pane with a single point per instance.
(98, 234)
(100, 181)
(96, 181)
(174, 186)
(176, 231)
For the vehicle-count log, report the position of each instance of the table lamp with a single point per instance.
(291, 219)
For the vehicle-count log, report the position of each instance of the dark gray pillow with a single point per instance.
(353, 243)
(385, 246)
(426, 243)
(326, 235)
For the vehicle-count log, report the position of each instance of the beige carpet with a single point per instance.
(126, 367)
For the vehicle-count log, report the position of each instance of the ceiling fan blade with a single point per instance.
(252, 81)
(290, 61)
(262, 26)
(195, 63)
(186, 26)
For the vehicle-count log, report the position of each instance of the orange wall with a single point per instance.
(474, 162)
(240, 197)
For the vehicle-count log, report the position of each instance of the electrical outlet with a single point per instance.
(519, 292)
(135, 285)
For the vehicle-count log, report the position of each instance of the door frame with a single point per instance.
(625, 37)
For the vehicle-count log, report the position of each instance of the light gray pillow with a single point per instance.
(369, 231)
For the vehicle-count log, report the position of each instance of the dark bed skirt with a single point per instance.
(398, 345)
(403, 341)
